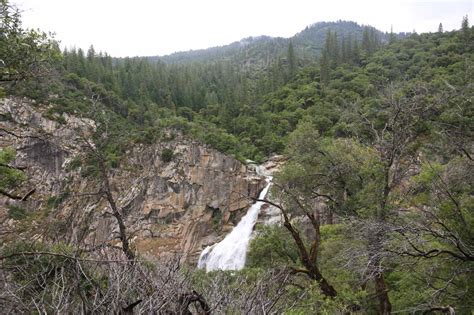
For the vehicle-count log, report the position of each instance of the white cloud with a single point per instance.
(158, 27)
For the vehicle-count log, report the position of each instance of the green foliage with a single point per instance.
(216, 217)
(361, 163)
(167, 155)
(35, 267)
(226, 98)
(445, 189)
(74, 164)
(345, 171)
(54, 201)
(272, 247)
(17, 212)
(10, 177)
(90, 168)
(380, 134)
(25, 53)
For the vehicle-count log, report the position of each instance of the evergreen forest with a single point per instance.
(376, 192)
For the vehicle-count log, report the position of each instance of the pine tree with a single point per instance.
(355, 55)
(392, 37)
(374, 40)
(348, 49)
(332, 49)
(81, 66)
(465, 24)
(291, 60)
(327, 43)
(91, 53)
(24, 54)
(366, 46)
(466, 32)
(344, 52)
(336, 51)
(324, 68)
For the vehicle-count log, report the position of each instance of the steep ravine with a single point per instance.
(231, 252)
(175, 207)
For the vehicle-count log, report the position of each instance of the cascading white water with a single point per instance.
(231, 252)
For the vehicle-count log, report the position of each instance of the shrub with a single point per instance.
(17, 213)
(167, 155)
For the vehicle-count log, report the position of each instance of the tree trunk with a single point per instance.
(311, 266)
(375, 249)
(385, 307)
(327, 289)
(116, 213)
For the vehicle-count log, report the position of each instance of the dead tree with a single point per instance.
(106, 191)
(395, 142)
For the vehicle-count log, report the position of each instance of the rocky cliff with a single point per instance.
(170, 206)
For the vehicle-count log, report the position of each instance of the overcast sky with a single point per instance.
(159, 27)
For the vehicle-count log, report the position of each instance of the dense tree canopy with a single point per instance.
(376, 195)
(23, 53)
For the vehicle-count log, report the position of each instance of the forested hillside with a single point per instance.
(230, 94)
(261, 51)
(376, 195)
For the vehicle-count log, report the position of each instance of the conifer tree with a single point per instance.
(366, 46)
(24, 53)
(335, 50)
(344, 50)
(348, 49)
(324, 68)
(392, 37)
(90, 53)
(374, 40)
(465, 24)
(355, 55)
(332, 50)
(291, 60)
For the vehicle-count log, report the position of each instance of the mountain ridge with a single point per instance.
(308, 43)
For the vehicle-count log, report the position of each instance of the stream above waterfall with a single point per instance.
(231, 252)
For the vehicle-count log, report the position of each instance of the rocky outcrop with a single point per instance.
(170, 206)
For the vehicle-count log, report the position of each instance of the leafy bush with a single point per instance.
(10, 178)
(272, 247)
(54, 201)
(17, 213)
(167, 155)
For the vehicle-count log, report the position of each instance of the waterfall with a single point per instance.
(231, 252)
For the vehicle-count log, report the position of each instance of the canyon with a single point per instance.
(175, 207)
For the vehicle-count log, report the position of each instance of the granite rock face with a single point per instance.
(174, 207)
